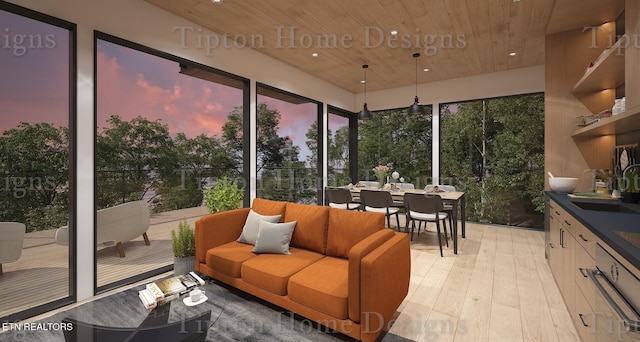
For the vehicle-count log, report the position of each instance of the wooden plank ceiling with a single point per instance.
(569, 14)
(465, 37)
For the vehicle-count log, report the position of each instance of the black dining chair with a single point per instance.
(380, 201)
(340, 198)
(426, 208)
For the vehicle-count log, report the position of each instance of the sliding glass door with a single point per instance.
(37, 92)
(163, 135)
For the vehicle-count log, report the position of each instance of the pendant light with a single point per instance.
(365, 113)
(416, 107)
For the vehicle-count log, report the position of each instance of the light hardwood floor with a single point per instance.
(498, 288)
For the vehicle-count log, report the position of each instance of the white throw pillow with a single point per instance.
(252, 225)
(274, 237)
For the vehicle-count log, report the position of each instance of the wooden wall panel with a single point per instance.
(632, 53)
(567, 56)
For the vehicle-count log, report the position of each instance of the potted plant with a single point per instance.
(629, 184)
(184, 248)
(223, 195)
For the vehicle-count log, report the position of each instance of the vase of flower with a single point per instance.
(381, 172)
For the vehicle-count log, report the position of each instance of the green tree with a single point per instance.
(494, 150)
(281, 175)
(337, 153)
(389, 138)
(269, 144)
(198, 159)
(35, 161)
(132, 157)
(292, 181)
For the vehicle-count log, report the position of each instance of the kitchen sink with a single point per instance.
(608, 207)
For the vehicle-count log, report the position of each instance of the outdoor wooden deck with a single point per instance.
(41, 274)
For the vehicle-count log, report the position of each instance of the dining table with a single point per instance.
(457, 200)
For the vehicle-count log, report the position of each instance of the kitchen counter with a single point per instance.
(604, 224)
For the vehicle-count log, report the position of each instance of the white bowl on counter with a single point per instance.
(563, 184)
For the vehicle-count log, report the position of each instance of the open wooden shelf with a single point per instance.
(606, 73)
(621, 123)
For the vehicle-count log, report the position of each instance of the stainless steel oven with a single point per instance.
(616, 316)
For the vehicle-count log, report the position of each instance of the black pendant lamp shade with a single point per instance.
(365, 113)
(416, 107)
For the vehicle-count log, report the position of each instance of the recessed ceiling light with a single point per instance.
(394, 32)
(216, 1)
(315, 54)
(512, 54)
(515, 0)
(363, 81)
(426, 69)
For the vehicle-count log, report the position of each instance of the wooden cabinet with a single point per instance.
(569, 260)
(584, 261)
(572, 253)
(562, 259)
(584, 317)
(573, 89)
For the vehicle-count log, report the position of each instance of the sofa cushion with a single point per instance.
(323, 286)
(311, 230)
(274, 237)
(347, 228)
(228, 258)
(268, 207)
(252, 225)
(271, 272)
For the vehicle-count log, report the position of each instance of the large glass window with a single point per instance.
(403, 144)
(338, 148)
(165, 130)
(493, 149)
(36, 92)
(288, 146)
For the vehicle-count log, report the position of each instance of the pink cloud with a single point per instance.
(154, 89)
(187, 105)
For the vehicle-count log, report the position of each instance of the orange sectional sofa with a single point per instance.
(345, 271)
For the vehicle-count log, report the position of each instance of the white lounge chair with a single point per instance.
(11, 241)
(117, 225)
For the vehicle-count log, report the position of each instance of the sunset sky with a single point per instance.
(33, 87)
(34, 82)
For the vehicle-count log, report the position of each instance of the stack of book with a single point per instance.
(165, 290)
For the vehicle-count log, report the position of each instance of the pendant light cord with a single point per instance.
(416, 56)
(365, 67)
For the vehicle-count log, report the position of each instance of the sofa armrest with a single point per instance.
(217, 229)
(356, 253)
(385, 276)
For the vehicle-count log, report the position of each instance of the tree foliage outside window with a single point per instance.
(338, 151)
(493, 149)
(392, 138)
(35, 162)
(138, 159)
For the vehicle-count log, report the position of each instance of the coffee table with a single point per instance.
(122, 316)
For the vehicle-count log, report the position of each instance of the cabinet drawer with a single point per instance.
(566, 220)
(583, 262)
(586, 238)
(584, 318)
